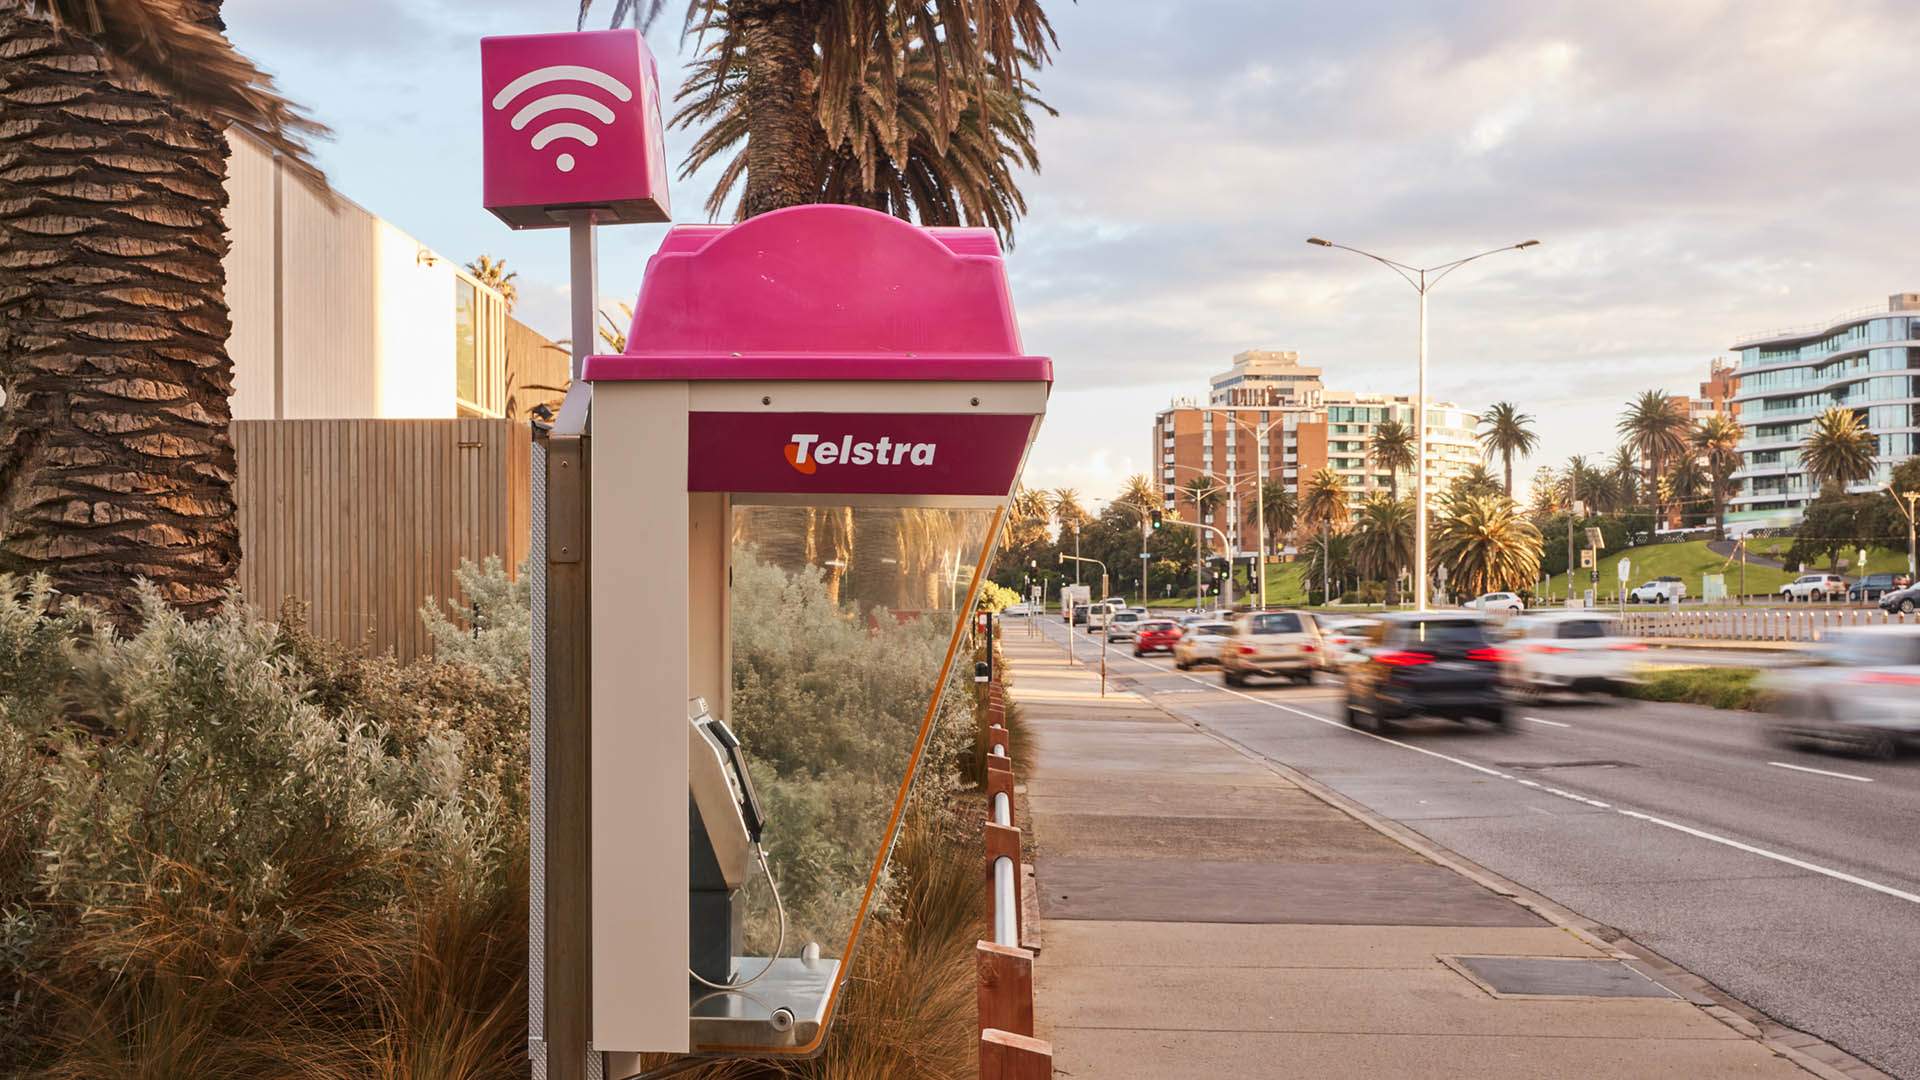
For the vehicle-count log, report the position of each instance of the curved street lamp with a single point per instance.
(1422, 279)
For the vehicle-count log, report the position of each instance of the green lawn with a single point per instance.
(1879, 559)
(1689, 561)
(1284, 589)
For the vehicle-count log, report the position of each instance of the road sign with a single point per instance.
(1626, 570)
(1586, 558)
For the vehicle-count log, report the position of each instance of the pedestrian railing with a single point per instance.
(1763, 625)
(1008, 1050)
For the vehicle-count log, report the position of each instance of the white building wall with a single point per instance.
(250, 277)
(336, 313)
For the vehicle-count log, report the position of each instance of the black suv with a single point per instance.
(1433, 663)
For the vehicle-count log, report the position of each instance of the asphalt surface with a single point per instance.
(1797, 891)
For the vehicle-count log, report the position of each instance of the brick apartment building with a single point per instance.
(1271, 417)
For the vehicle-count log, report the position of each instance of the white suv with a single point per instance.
(1815, 587)
(1660, 590)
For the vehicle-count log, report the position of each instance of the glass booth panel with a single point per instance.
(846, 626)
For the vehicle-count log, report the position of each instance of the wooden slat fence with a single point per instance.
(363, 520)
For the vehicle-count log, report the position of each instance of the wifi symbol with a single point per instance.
(540, 106)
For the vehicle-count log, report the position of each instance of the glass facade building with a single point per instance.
(1868, 362)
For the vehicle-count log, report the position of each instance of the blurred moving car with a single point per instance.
(1097, 616)
(1201, 643)
(1577, 652)
(1343, 639)
(1661, 590)
(1875, 586)
(1122, 624)
(1429, 663)
(1017, 611)
(1814, 587)
(1863, 695)
(1155, 635)
(1271, 644)
(1904, 601)
(1497, 601)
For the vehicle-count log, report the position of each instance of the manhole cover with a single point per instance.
(1598, 763)
(1554, 977)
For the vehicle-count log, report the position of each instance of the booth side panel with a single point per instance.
(640, 541)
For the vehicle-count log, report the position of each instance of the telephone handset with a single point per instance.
(750, 811)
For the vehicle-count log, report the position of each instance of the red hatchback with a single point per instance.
(1157, 635)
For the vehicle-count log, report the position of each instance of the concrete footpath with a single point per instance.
(1200, 915)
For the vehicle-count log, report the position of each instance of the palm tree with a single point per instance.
(1623, 468)
(1394, 449)
(798, 76)
(1507, 431)
(1579, 481)
(1383, 541)
(1139, 493)
(1282, 509)
(115, 458)
(1067, 511)
(1685, 481)
(1838, 451)
(1656, 426)
(1324, 504)
(494, 274)
(1486, 545)
(886, 149)
(1476, 481)
(1718, 440)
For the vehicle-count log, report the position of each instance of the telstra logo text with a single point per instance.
(808, 452)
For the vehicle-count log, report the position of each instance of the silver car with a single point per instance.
(1271, 644)
(1200, 643)
(1122, 624)
(1863, 695)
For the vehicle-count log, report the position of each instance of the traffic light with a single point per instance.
(1154, 517)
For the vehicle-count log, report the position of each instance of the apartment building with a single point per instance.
(1868, 361)
(1269, 417)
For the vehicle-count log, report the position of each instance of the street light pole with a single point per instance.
(1260, 480)
(1422, 280)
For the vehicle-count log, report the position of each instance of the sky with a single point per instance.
(1696, 172)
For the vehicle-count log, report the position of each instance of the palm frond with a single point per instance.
(165, 42)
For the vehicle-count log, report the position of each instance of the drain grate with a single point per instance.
(1534, 766)
(1556, 977)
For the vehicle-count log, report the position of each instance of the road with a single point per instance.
(1790, 879)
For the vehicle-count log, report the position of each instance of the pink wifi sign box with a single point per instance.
(572, 122)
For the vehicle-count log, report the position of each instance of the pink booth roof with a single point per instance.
(824, 292)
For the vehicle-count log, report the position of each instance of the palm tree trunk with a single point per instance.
(1506, 459)
(778, 37)
(115, 455)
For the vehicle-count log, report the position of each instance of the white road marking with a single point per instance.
(1549, 723)
(1821, 772)
(1816, 868)
(1837, 875)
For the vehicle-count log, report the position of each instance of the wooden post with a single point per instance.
(1007, 1056)
(1005, 987)
(1000, 782)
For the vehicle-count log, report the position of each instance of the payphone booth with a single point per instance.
(798, 471)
